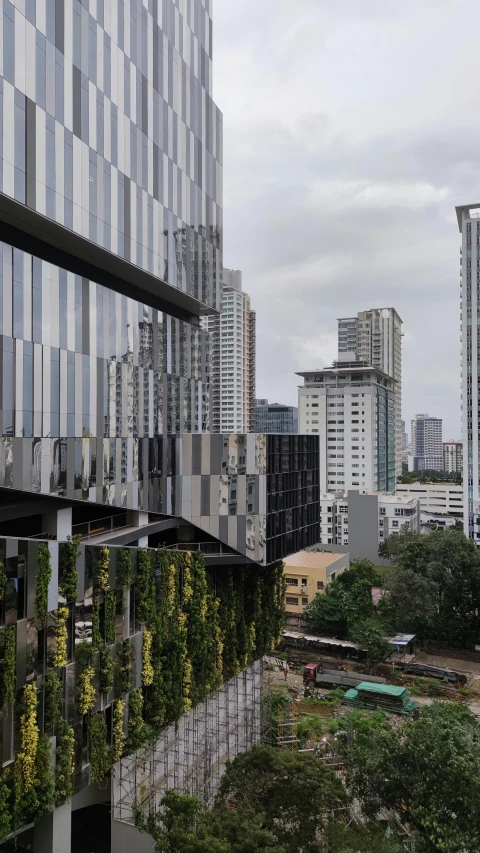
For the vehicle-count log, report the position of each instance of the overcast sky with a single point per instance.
(351, 131)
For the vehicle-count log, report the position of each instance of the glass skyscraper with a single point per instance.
(111, 252)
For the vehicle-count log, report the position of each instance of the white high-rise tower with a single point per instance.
(375, 337)
(469, 224)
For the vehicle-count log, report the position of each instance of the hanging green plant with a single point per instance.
(96, 635)
(124, 567)
(123, 667)
(68, 575)
(186, 663)
(60, 657)
(10, 666)
(87, 690)
(136, 724)
(110, 613)
(29, 737)
(118, 735)
(5, 807)
(145, 589)
(217, 643)
(65, 763)
(43, 795)
(187, 588)
(44, 573)
(98, 752)
(3, 586)
(53, 702)
(124, 574)
(106, 670)
(102, 569)
(147, 670)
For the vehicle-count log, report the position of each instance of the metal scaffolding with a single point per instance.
(190, 755)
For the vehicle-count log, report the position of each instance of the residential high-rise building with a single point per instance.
(111, 252)
(351, 406)
(405, 446)
(453, 456)
(232, 359)
(468, 217)
(426, 444)
(375, 337)
(275, 418)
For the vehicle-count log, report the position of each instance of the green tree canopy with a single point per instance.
(428, 772)
(294, 792)
(434, 587)
(346, 601)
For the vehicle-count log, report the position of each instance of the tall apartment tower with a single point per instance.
(232, 359)
(375, 337)
(426, 445)
(468, 217)
(110, 254)
(351, 406)
(453, 456)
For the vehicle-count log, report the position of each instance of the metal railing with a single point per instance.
(87, 529)
(208, 548)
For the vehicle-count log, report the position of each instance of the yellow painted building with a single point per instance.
(307, 573)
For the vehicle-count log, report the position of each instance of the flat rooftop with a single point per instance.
(311, 559)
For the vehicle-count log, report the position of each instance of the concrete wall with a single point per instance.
(363, 526)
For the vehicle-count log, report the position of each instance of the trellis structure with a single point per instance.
(190, 755)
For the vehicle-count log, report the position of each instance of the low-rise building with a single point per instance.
(363, 520)
(444, 498)
(307, 573)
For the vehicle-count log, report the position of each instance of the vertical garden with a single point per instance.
(159, 632)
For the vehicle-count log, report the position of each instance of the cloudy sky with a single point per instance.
(351, 131)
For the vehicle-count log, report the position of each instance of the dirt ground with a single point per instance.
(275, 677)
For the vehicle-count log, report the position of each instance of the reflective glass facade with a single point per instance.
(108, 127)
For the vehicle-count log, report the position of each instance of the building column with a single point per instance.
(58, 522)
(53, 832)
(140, 519)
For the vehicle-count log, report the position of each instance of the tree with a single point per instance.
(369, 634)
(445, 568)
(181, 826)
(359, 839)
(294, 792)
(427, 771)
(347, 600)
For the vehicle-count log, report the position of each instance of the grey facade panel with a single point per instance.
(363, 526)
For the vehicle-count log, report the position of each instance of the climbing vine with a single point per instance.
(87, 690)
(44, 574)
(147, 670)
(68, 580)
(10, 665)
(29, 737)
(98, 752)
(60, 657)
(145, 590)
(102, 569)
(106, 670)
(96, 635)
(3, 586)
(124, 567)
(136, 724)
(64, 764)
(53, 702)
(118, 736)
(123, 667)
(110, 612)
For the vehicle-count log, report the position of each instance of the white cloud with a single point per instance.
(350, 132)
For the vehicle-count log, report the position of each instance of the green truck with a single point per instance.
(385, 697)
